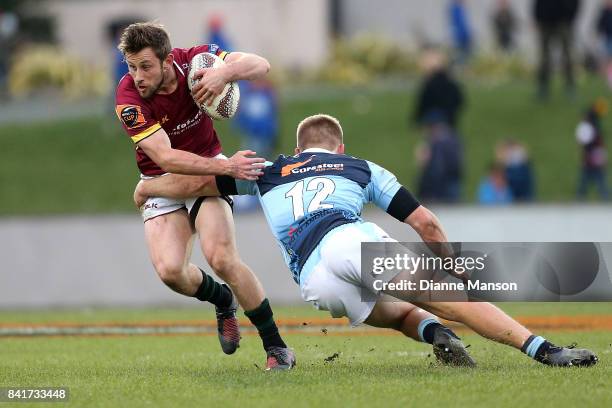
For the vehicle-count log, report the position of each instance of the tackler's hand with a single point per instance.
(245, 165)
(139, 197)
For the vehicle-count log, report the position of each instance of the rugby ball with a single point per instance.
(225, 105)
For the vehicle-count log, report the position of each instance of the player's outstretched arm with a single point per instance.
(427, 225)
(187, 186)
(175, 186)
(387, 193)
(429, 228)
(158, 148)
(242, 65)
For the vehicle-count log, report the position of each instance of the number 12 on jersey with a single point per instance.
(322, 185)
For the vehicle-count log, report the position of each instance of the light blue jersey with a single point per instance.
(307, 195)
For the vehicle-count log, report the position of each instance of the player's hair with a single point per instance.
(319, 131)
(139, 36)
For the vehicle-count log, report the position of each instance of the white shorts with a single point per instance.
(331, 277)
(156, 206)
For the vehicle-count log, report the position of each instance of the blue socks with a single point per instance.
(427, 330)
(536, 347)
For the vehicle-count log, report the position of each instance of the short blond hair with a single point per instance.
(319, 130)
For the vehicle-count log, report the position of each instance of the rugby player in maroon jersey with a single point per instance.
(172, 135)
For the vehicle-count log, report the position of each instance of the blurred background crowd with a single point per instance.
(487, 101)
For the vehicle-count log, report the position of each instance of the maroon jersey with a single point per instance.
(187, 126)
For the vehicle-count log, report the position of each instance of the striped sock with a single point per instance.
(427, 330)
(535, 347)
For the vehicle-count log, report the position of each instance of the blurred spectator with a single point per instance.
(504, 25)
(119, 67)
(438, 91)
(442, 161)
(9, 24)
(461, 30)
(216, 34)
(257, 122)
(594, 156)
(591, 59)
(604, 26)
(494, 189)
(604, 29)
(513, 157)
(555, 23)
(257, 117)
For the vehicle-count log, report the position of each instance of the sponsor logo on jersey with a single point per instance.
(298, 168)
(131, 116)
(188, 124)
(287, 169)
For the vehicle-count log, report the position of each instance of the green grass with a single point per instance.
(87, 165)
(135, 315)
(371, 370)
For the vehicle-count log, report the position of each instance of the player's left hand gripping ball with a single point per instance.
(225, 105)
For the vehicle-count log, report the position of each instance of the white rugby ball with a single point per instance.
(225, 105)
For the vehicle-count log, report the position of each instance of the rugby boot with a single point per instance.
(280, 358)
(227, 327)
(568, 357)
(450, 350)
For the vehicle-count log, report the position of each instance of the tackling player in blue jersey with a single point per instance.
(313, 203)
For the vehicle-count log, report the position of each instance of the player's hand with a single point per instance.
(448, 250)
(245, 166)
(211, 82)
(139, 197)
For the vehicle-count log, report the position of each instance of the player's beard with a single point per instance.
(153, 90)
(161, 82)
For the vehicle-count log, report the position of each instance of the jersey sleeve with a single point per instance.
(230, 186)
(211, 48)
(382, 187)
(135, 116)
(246, 187)
(388, 194)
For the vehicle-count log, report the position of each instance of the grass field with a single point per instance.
(87, 165)
(373, 368)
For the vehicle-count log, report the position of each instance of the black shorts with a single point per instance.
(193, 214)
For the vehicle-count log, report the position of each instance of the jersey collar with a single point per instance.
(317, 150)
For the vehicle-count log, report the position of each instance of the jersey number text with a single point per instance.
(322, 185)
